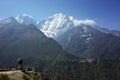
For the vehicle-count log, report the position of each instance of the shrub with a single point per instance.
(4, 77)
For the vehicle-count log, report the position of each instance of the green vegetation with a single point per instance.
(96, 70)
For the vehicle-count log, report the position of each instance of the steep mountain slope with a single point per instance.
(81, 37)
(54, 25)
(18, 40)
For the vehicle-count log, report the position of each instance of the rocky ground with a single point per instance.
(20, 75)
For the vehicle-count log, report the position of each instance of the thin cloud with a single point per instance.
(86, 22)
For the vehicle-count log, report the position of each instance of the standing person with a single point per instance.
(20, 62)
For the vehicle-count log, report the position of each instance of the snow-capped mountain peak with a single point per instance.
(55, 25)
(25, 19)
(56, 20)
(57, 15)
(59, 23)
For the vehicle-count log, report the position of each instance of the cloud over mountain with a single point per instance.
(86, 22)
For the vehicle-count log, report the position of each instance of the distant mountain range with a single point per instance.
(81, 38)
(54, 25)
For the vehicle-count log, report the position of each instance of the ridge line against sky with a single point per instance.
(106, 13)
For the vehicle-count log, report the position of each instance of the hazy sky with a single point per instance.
(106, 13)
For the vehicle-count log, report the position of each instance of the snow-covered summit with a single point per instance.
(25, 19)
(59, 23)
(55, 25)
(57, 15)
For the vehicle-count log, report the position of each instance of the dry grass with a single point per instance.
(18, 75)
